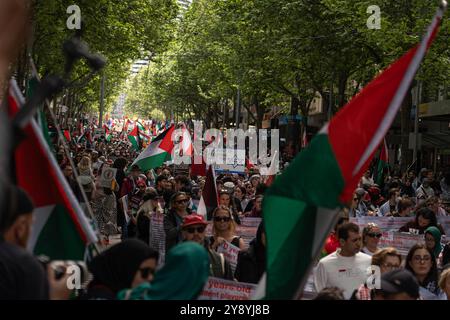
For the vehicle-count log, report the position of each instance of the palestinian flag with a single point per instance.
(60, 229)
(67, 135)
(86, 136)
(209, 199)
(125, 128)
(301, 206)
(382, 164)
(108, 133)
(159, 151)
(135, 138)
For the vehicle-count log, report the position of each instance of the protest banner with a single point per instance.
(400, 240)
(108, 175)
(246, 233)
(220, 289)
(250, 222)
(158, 236)
(230, 253)
(385, 223)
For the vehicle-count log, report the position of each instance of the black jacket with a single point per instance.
(143, 228)
(172, 229)
(248, 268)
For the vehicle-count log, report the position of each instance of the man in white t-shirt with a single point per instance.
(346, 268)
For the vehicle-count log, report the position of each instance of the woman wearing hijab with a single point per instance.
(433, 242)
(124, 265)
(252, 262)
(183, 276)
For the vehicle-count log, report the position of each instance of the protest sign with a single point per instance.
(124, 202)
(108, 175)
(220, 289)
(250, 222)
(230, 253)
(234, 162)
(158, 236)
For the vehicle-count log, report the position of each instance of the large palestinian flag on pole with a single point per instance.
(159, 151)
(301, 206)
(209, 199)
(60, 229)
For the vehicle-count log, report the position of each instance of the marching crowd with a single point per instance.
(132, 268)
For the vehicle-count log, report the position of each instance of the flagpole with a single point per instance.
(67, 153)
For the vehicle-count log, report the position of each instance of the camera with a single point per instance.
(60, 267)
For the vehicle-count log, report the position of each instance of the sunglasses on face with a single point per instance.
(224, 219)
(373, 235)
(200, 229)
(182, 201)
(145, 272)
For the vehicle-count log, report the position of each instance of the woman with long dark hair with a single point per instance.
(422, 264)
(226, 199)
(174, 218)
(424, 218)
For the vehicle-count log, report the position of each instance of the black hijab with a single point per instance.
(116, 267)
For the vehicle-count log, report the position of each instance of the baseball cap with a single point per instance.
(398, 281)
(193, 219)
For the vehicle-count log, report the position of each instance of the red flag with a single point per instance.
(60, 228)
(359, 127)
(197, 169)
(209, 200)
(304, 139)
(67, 135)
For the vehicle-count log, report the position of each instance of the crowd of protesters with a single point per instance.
(128, 267)
(351, 252)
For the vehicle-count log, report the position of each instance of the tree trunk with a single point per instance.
(225, 114)
(405, 118)
(294, 126)
(342, 86)
(259, 112)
